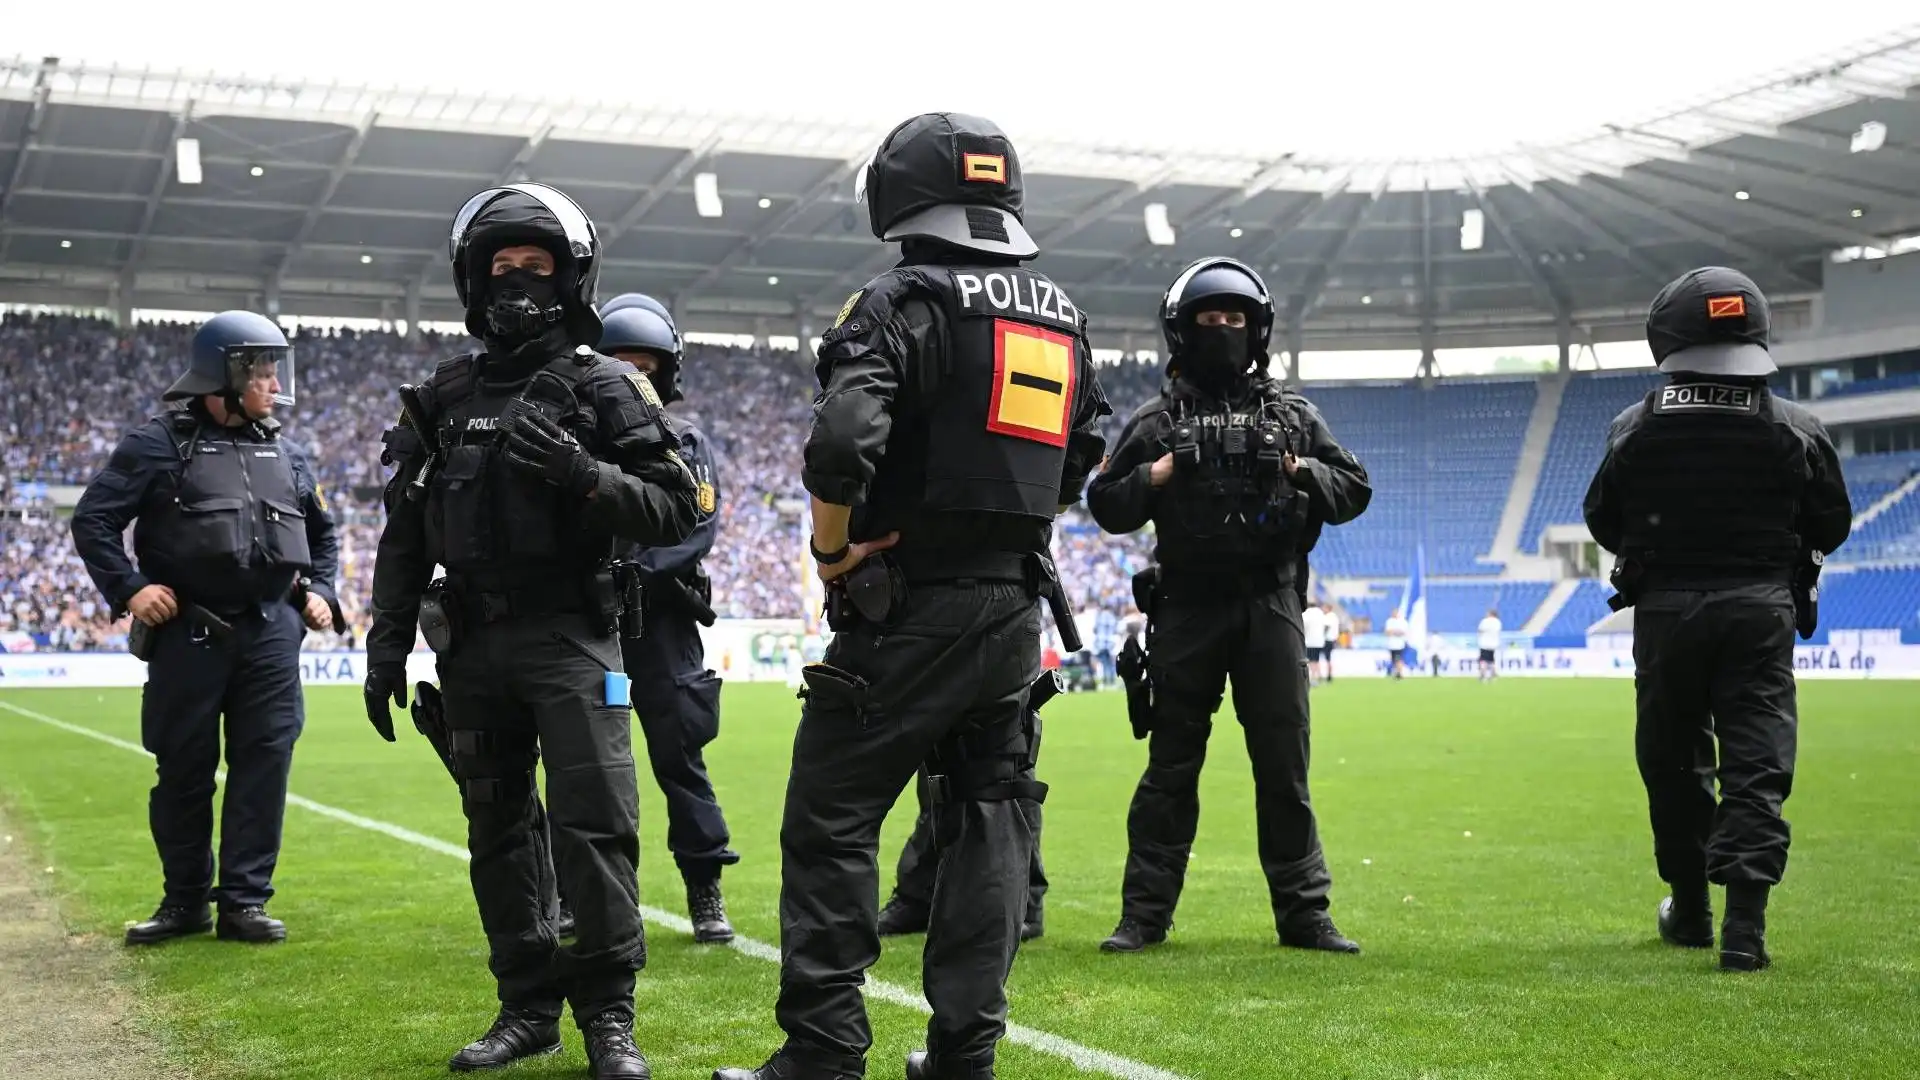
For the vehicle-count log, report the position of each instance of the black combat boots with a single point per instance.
(1743, 934)
(611, 1053)
(170, 921)
(250, 923)
(902, 917)
(1686, 917)
(922, 1066)
(708, 910)
(1315, 930)
(515, 1034)
(1132, 935)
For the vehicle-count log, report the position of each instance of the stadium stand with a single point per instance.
(1894, 532)
(1576, 446)
(1456, 607)
(1870, 598)
(1875, 386)
(74, 385)
(1441, 459)
(1568, 630)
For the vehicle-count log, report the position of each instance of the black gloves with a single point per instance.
(540, 448)
(385, 680)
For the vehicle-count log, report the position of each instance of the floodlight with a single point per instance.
(1158, 230)
(1871, 136)
(1473, 230)
(186, 161)
(706, 194)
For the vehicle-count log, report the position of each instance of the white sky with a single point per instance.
(1390, 79)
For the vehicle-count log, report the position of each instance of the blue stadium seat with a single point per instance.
(1894, 533)
(1442, 461)
(1871, 598)
(1568, 629)
(1458, 607)
(1574, 450)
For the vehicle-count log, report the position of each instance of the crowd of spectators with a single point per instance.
(70, 387)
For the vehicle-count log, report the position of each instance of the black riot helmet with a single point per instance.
(636, 322)
(226, 350)
(948, 177)
(532, 214)
(1226, 283)
(1711, 321)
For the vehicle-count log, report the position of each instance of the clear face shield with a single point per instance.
(251, 366)
(860, 179)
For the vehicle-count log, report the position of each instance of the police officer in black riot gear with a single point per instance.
(523, 470)
(1238, 476)
(1720, 501)
(957, 416)
(235, 555)
(675, 694)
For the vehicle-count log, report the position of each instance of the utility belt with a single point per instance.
(1213, 582)
(674, 595)
(1635, 575)
(1641, 572)
(452, 606)
(202, 625)
(875, 592)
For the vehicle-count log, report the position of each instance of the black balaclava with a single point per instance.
(1215, 357)
(521, 313)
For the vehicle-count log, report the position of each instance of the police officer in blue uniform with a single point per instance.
(524, 469)
(234, 559)
(1721, 501)
(675, 694)
(958, 414)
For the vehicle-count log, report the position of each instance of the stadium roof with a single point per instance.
(335, 200)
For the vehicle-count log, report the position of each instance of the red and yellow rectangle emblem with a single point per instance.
(1726, 307)
(1033, 372)
(988, 168)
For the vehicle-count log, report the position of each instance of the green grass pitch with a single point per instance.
(1488, 843)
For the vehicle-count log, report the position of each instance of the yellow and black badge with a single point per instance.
(846, 309)
(319, 497)
(644, 387)
(707, 499)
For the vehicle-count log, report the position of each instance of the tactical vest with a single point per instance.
(996, 438)
(486, 522)
(1711, 485)
(231, 533)
(1230, 503)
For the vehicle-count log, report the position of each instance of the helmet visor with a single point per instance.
(248, 365)
(860, 178)
(573, 220)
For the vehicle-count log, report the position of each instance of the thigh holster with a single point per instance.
(492, 766)
(985, 765)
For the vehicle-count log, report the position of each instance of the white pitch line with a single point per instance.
(1085, 1058)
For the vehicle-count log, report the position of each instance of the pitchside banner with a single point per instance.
(740, 650)
(773, 650)
(1809, 662)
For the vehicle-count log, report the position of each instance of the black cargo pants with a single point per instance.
(1199, 636)
(954, 669)
(534, 687)
(1716, 666)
